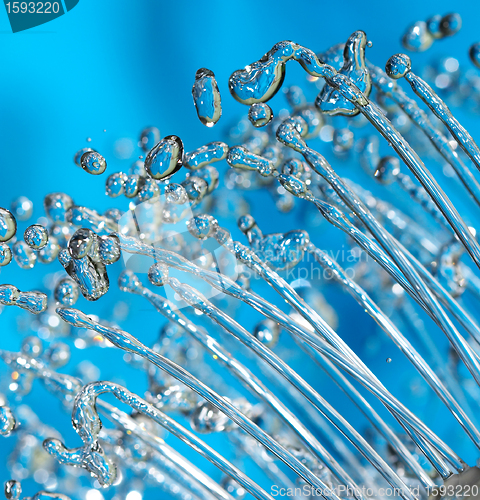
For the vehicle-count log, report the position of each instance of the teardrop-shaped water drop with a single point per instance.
(165, 158)
(206, 97)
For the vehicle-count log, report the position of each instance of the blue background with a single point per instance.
(120, 65)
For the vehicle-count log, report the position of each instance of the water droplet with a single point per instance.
(202, 226)
(66, 292)
(342, 139)
(22, 208)
(260, 114)
(354, 67)
(149, 137)
(32, 346)
(114, 186)
(132, 185)
(206, 97)
(417, 38)
(5, 254)
(158, 274)
(24, 256)
(450, 24)
(56, 206)
(36, 236)
(474, 54)
(433, 26)
(165, 158)
(109, 249)
(267, 332)
(389, 360)
(50, 251)
(205, 155)
(78, 155)
(93, 163)
(13, 490)
(82, 243)
(398, 66)
(57, 355)
(8, 225)
(387, 169)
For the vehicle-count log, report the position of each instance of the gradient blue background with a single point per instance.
(120, 65)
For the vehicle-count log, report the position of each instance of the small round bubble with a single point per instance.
(5, 254)
(201, 226)
(158, 274)
(32, 346)
(22, 208)
(115, 183)
(474, 54)
(24, 256)
(78, 155)
(450, 24)
(36, 236)
(149, 137)
(57, 355)
(398, 66)
(66, 292)
(8, 225)
(387, 169)
(109, 249)
(343, 139)
(260, 114)
(93, 163)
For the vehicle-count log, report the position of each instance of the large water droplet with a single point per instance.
(165, 158)
(206, 97)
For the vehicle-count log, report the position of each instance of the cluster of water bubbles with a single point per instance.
(170, 248)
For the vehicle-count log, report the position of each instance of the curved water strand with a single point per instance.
(87, 423)
(436, 105)
(253, 85)
(291, 138)
(390, 88)
(198, 302)
(402, 343)
(129, 282)
(338, 355)
(127, 342)
(192, 472)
